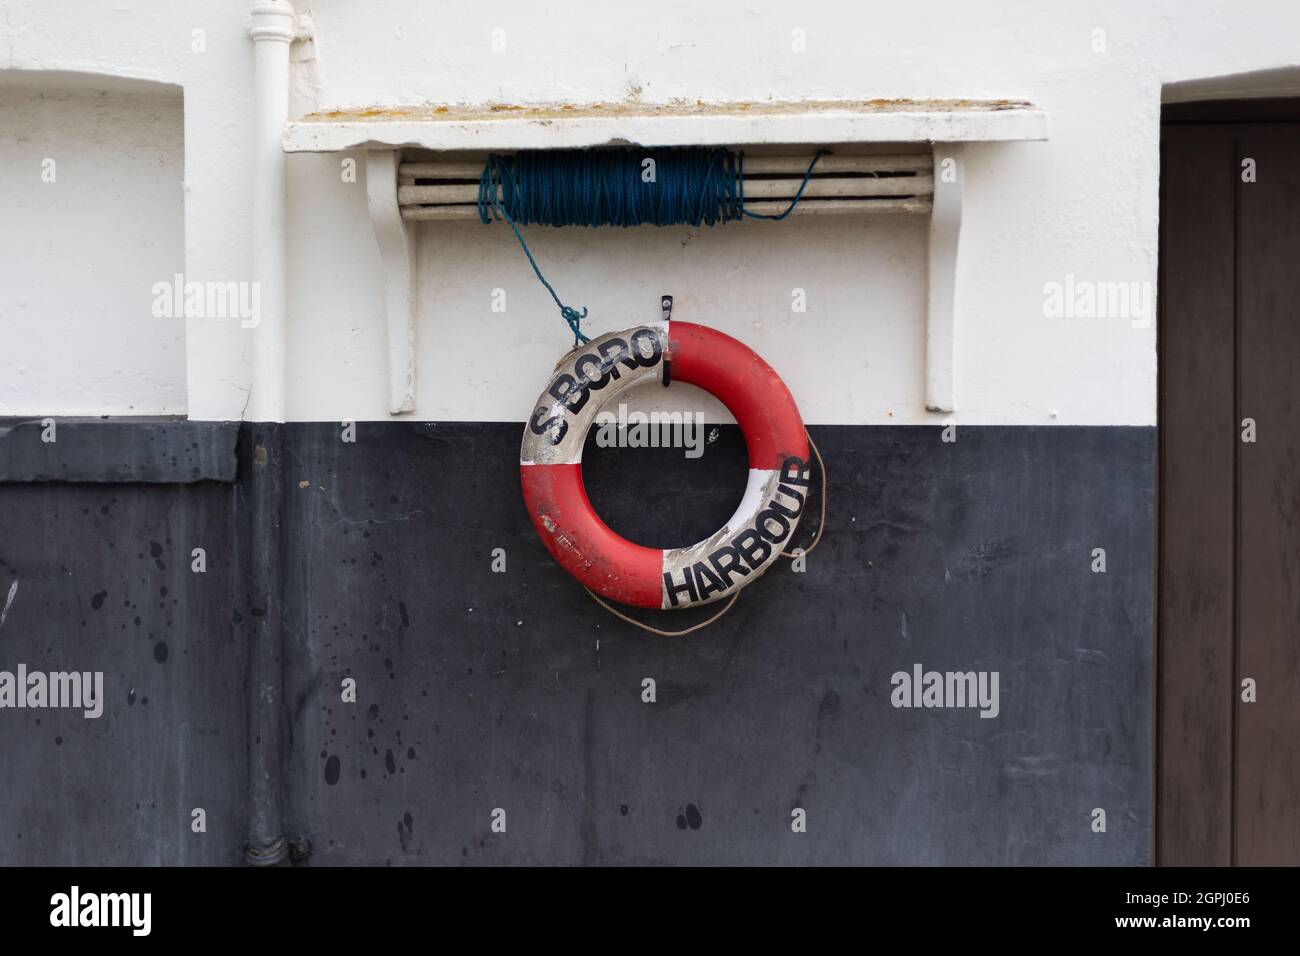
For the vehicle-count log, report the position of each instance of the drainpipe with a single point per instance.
(272, 28)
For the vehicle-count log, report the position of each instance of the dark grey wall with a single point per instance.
(481, 690)
(104, 583)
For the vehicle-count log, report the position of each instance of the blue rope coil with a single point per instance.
(617, 187)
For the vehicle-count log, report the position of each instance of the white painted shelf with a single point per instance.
(822, 123)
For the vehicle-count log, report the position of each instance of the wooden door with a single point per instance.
(1228, 655)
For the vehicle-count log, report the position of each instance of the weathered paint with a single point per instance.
(116, 450)
(561, 126)
(479, 690)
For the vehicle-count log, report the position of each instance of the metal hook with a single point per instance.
(666, 303)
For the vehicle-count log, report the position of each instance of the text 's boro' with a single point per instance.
(746, 551)
(592, 371)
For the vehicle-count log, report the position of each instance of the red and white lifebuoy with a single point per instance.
(550, 460)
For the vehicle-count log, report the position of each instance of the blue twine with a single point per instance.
(605, 187)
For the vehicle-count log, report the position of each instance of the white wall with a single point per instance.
(1084, 203)
(91, 215)
(203, 47)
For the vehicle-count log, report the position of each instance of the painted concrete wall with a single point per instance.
(160, 45)
(1083, 204)
(481, 687)
(93, 215)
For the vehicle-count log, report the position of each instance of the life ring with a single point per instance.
(550, 465)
